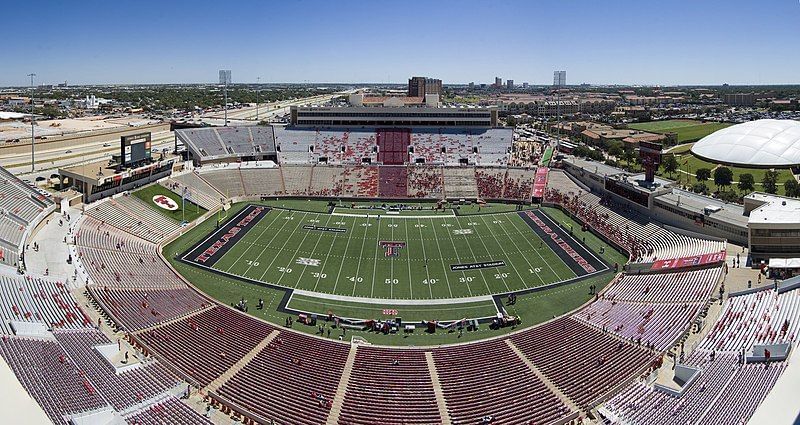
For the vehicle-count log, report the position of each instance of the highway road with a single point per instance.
(269, 110)
(48, 161)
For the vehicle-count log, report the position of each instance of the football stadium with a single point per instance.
(394, 213)
(393, 270)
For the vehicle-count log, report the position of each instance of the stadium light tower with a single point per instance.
(225, 79)
(33, 164)
(258, 95)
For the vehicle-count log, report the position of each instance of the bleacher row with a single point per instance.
(128, 279)
(729, 389)
(132, 215)
(298, 146)
(20, 208)
(652, 310)
(294, 378)
(229, 141)
(426, 182)
(645, 240)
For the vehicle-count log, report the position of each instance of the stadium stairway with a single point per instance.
(216, 384)
(547, 382)
(341, 389)
(441, 403)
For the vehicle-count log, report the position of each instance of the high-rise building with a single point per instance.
(559, 78)
(498, 82)
(510, 84)
(420, 86)
(525, 85)
(471, 85)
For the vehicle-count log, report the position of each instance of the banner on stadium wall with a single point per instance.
(540, 182)
(694, 260)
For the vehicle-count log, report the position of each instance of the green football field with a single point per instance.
(353, 262)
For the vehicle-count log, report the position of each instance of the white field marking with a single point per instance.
(391, 266)
(360, 256)
(328, 254)
(297, 251)
(313, 262)
(475, 258)
(462, 231)
(540, 255)
(374, 264)
(341, 264)
(458, 258)
(368, 215)
(399, 301)
(299, 224)
(522, 278)
(508, 235)
(303, 261)
(247, 250)
(425, 259)
(408, 262)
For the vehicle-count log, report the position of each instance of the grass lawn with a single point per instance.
(193, 210)
(687, 130)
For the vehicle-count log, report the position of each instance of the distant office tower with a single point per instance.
(559, 78)
(524, 85)
(420, 86)
(510, 84)
(739, 99)
(471, 85)
(498, 82)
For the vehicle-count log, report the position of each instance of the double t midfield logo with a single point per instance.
(392, 248)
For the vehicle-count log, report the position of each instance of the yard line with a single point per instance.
(430, 287)
(508, 235)
(313, 251)
(408, 261)
(283, 246)
(360, 255)
(540, 255)
(339, 273)
(327, 255)
(449, 233)
(458, 258)
(505, 253)
(391, 267)
(375, 264)
(253, 244)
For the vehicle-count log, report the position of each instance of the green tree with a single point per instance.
(747, 182)
(792, 188)
(723, 176)
(700, 187)
(616, 151)
(770, 181)
(702, 174)
(670, 164)
(729, 196)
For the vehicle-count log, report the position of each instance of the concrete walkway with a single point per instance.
(441, 403)
(230, 373)
(341, 389)
(53, 251)
(547, 382)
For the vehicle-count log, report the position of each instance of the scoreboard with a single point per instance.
(136, 148)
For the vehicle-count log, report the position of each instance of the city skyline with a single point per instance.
(625, 43)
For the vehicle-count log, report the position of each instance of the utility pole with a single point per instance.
(33, 164)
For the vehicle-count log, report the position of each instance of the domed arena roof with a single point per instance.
(760, 143)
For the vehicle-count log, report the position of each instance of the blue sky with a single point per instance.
(624, 42)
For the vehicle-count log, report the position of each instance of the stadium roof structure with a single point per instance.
(762, 143)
